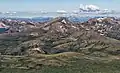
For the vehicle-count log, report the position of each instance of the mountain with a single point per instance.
(92, 8)
(61, 44)
(60, 35)
(106, 26)
(89, 8)
(61, 11)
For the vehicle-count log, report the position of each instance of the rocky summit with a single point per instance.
(26, 40)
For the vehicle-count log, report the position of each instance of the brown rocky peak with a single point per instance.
(58, 19)
(59, 24)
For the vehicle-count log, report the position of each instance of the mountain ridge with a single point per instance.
(76, 36)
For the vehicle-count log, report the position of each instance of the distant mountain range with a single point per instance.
(93, 8)
(82, 10)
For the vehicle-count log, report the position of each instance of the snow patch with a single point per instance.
(61, 11)
(64, 21)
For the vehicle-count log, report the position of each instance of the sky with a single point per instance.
(54, 5)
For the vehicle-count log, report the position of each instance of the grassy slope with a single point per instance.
(76, 63)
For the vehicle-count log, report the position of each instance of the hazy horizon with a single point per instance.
(54, 5)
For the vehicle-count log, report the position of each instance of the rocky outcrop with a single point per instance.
(105, 26)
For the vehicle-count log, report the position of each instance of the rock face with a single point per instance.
(60, 35)
(106, 26)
